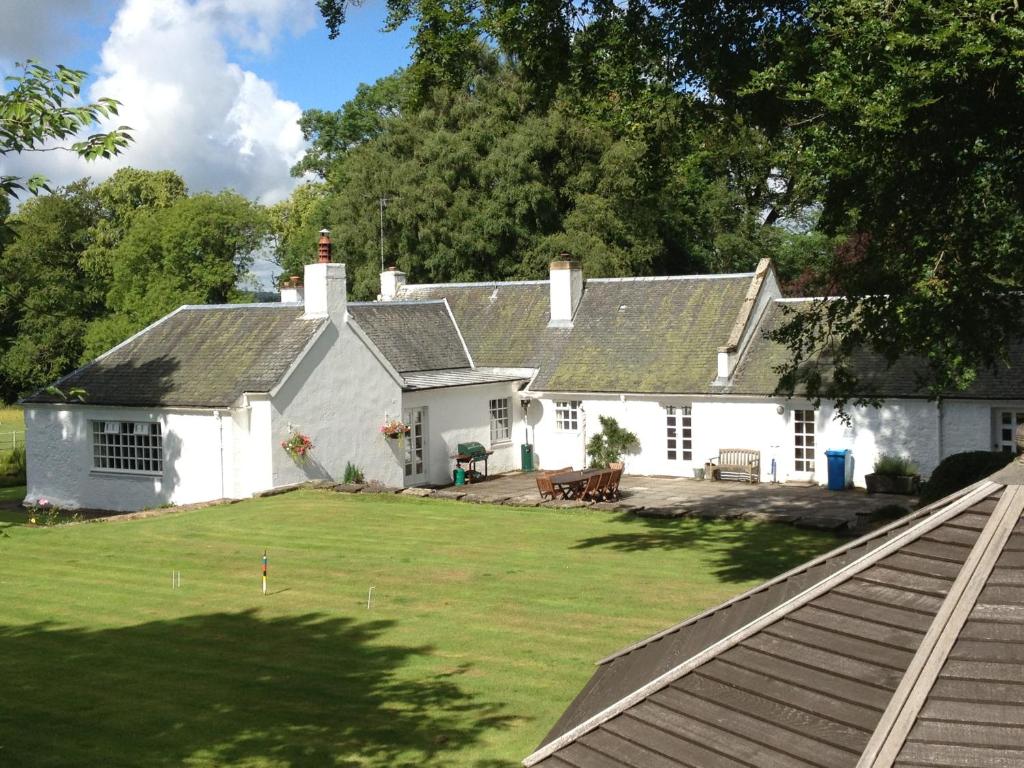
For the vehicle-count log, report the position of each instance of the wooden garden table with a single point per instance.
(571, 484)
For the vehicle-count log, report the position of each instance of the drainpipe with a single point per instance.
(939, 418)
(220, 434)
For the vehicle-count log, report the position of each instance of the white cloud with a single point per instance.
(190, 108)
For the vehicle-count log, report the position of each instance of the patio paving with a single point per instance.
(657, 496)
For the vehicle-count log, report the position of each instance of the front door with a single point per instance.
(415, 447)
(1006, 427)
(803, 444)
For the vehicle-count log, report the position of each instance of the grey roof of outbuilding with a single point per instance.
(413, 335)
(636, 335)
(756, 375)
(904, 647)
(462, 377)
(198, 356)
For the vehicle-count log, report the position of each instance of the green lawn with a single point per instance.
(485, 622)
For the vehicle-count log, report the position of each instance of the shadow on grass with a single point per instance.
(739, 551)
(229, 689)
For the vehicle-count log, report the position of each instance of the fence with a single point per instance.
(11, 440)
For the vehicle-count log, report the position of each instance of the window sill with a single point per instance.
(125, 473)
(501, 443)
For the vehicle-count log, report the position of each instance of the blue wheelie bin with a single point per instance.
(837, 470)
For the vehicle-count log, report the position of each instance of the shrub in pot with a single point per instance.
(893, 474)
(607, 446)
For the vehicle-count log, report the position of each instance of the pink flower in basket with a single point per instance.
(298, 446)
(393, 429)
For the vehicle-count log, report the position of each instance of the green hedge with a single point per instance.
(960, 470)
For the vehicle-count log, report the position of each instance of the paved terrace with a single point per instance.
(657, 496)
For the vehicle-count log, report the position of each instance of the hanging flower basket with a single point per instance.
(393, 429)
(298, 446)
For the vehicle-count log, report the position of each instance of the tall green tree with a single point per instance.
(46, 300)
(898, 124)
(193, 251)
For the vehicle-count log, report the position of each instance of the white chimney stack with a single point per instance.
(566, 291)
(391, 282)
(325, 284)
(292, 291)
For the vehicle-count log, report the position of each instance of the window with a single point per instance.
(128, 446)
(1006, 430)
(678, 433)
(567, 415)
(803, 440)
(501, 425)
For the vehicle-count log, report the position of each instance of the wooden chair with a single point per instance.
(604, 488)
(545, 487)
(590, 490)
(612, 489)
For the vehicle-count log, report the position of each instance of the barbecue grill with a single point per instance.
(470, 454)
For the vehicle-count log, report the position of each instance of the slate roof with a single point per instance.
(635, 335)
(413, 336)
(199, 356)
(504, 324)
(755, 374)
(904, 647)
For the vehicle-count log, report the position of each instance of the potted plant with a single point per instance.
(893, 474)
(298, 446)
(393, 429)
(607, 446)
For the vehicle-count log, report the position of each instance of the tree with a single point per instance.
(46, 299)
(191, 252)
(38, 108)
(898, 124)
(908, 129)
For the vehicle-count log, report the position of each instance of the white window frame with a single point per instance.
(500, 409)
(679, 433)
(128, 447)
(804, 439)
(567, 415)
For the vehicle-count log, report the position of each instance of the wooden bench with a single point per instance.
(735, 464)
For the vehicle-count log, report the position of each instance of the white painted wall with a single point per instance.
(338, 395)
(460, 415)
(59, 451)
(906, 427)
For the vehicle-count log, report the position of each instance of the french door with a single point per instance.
(803, 444)
(415, 447)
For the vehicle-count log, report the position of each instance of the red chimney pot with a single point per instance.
(323, 249)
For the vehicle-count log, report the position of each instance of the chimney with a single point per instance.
(392, 280)
(566, 290)
(292, 291)
(323, 248)
(325, 284)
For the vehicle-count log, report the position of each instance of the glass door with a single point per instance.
(803, 444)
(415, 447)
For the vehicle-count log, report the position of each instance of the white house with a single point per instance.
(683, 363)
(196, 406)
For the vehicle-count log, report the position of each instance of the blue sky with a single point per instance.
(211, 88)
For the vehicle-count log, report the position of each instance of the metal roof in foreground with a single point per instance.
(902, 648)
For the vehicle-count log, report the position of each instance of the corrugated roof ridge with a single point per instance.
(915, 531)
(892, 730)
(800, 569)
(255, 305)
